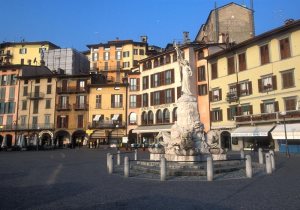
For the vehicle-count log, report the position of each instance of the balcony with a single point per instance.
(63, 107)
(109, 124)
(70, 90)
(36, 95)
(78, 107)
(6, 54)
(275, 117)
(232, 97)
(40, 126)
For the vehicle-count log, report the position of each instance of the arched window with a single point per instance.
(132, 119)
(159, 117)
(166, 117)
(144, 118)
(150, 117)
(175, 114)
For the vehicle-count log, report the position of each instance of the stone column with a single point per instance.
(260, 156)
(163, 169)
(248, 166)
(210, 169)
(126, 167)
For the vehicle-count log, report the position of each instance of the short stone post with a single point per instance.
(260, 156)
(163, 169)
(268, 164)
(107, 160)
(272, 159)
(242, 154)
(249, 172)
(135, 154)
(111, 164)
(126, 167)
(118, 157)
(210, 169)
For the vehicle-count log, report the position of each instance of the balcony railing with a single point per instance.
(61, 90)
(232, 97)
(63, 107)
(40, 126)
(80, 106)
(275, 117)
(36, 95)
(107, 124)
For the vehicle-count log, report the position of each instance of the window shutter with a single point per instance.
(251, 109)
(152, 80)
(173, 95)
(210, 96)
(211, 116)
(276, 106)
(238, 90)
(67, 121)
(58, 122)
(220, 94)
(228, 114)
(113, 101)
(221, 115)
(239, 111)
(250, 87)
(162, 78)
(172, 76)
(262, 108)
(274, 82)
(178, 92)
(138, 101)
(121, 100)
(260, 85)
(162, 96)
(138, 84)
(8, 82)
(151, 98)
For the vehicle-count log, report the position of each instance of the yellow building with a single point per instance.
(252, 83)
(24, 53)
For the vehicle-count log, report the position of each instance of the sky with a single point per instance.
(77, 23)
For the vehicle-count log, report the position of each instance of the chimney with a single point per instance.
(186, 37)
(144, 39)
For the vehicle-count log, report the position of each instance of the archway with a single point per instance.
(225, 140)
(159, 117)
(132, 137)
(132, 118)
(150, 118)
(144, 118)
(46, 139)
(174, 114)
(77, 138)
(9, 140)
(62, 139)
(166, 116)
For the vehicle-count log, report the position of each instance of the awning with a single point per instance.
(97, 117)
(99, 134)
(292, 131)
(115, 117)
(152, 128)
(252, 131)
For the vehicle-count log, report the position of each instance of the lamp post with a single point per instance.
(287, 153)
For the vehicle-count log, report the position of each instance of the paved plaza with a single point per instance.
(77, 179)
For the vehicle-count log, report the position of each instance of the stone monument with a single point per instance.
(187, 140)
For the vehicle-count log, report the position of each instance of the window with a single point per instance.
(202, 90)
(168, 59)
(13, 79)
(80, 121)
(290, 103)
(168, 77)
(174, 57)
(49, 80)
(150, 118)
(144, 118)
(23, 51)
(145, 82)
(270, 106)
(23, 120)
(81, 85)
(106, 56)
(106, 66)
(216, 115)
(37, 81)
(62, 121)
(267, 83)
(145, 100)
(133, 118)
(285, 51)
(161, 61)
(48, 104)
(2, 107)
(156, 100)
(169, 96)
(49, 87)
(11, 92)
(230, 65)
(4, 80)
(155, 80)
(47, 121)
(159, 117)
(232, 111)
(126, 54)
(134, 84)
(2, 93)
(35, 106)
(25, 91)
(155, 62)
(245, 88)
(264, 54)
(142, 52)
(246, 109)
(116, 101)
(126, 64)
(200, 55)
(9, 120)
(201, 73)
(98, 101)
(166, 116)
(216, 95)
(95, 56)
(80, 101)
(135, 51)
(24, 105)
(64, 102)
(132, 101)
(34, 122)
(175, 114)
(214, 71)
(42, 49)
(10, 107)
(242, 61)
(288, 80)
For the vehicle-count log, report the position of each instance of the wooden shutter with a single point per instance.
(239, 111)
(220, 94)
(152, 80)
(112, 101)
(221, 115)
(210, 96)
(121, 100)
(67, 121)
(151, 98)
(173, 95)
(250, 87)
(276, 106)
(58, 122)
(260, 88)
(178, 92)
(238, 90)
(162, 77)
(138, 101)
(172, 76)
(274, 82)
(138, 84)
(228, 114)
(162, 96)
(262, 108)
(251, 109)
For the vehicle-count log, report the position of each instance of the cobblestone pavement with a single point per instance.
(77, 179)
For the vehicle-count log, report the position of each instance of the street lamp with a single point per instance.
(287, 153)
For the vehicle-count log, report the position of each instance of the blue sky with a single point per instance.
(76, 23)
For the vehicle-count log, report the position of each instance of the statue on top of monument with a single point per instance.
(186, 72)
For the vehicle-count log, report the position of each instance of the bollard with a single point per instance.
(242, 154)
(260, 156)
(118, 157)
(107, 160)
(248, 166)
(210, 169)
(163, 169)
(135, 154)
(111, 164)
(268, 164)
(272, 160)
(126, 167)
